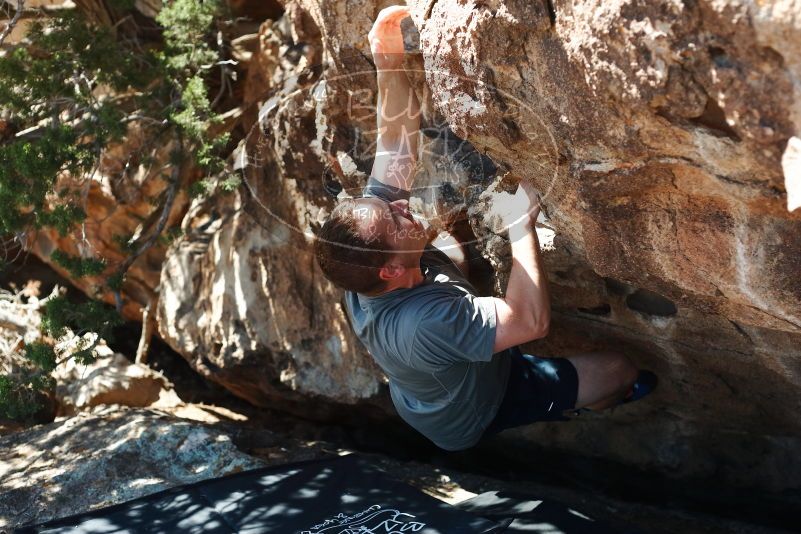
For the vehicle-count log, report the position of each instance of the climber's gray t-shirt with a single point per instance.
(434, 342)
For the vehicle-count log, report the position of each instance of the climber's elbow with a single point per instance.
(540, 326)
(542, 331)
(517, 324)
(539, 321)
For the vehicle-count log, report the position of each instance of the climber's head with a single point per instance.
(367, 245)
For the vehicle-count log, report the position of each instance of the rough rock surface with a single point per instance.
(241, 296)
(659, 133)
(253, 320)
(96, 460)
(111, 379)
(446, 483)
(121, 202)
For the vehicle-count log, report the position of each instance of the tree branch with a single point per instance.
(13, 22)
(148, 327)
(172, 189)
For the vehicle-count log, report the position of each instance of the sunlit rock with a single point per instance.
(96, 460)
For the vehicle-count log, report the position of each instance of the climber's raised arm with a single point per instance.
(524, 313)
(397, 109)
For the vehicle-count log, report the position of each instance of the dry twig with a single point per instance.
(13, 21)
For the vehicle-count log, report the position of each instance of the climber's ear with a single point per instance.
(391, 271)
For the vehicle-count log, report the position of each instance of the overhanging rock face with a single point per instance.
(656, 132)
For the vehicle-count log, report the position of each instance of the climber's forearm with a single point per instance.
(527, 291)
(398, 121)
(398, 111)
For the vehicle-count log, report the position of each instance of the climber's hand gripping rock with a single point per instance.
(520, 208)
(386, 40)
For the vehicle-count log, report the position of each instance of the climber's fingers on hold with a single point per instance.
(527, 188)
(530, 197)
(391, 15)
(385, 35)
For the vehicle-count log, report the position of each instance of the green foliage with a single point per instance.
(62, 218)
(20, 393)
(65, 58)
(124, 242)
(76, 266)
(230, 182)
(200, 188)
(20, 397)
(186, 24)
(60, 315)
(192, 114)
(69, 91)
(114, 282)
(41, 354)
(10, 407)
(28, 170)
(50, 88)
(168, 237)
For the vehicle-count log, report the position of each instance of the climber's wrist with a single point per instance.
(521, 227)
(391, 77)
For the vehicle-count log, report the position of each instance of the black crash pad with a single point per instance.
(344, 495)
(533, 515)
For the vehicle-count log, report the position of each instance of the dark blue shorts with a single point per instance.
(539, 389)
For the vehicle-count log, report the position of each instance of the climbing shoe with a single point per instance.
(645, 384)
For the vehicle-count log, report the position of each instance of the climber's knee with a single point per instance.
(621, 372)
(604, 377)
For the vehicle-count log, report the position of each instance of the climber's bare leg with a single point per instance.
(604, 379)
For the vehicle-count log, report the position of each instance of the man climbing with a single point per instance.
(455, 372)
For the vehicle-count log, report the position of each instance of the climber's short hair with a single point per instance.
(346, 258)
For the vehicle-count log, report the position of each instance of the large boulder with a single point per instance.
(241, 300)
(110, 379)
(241, 296)
(112, 456)
(656, 132)
(664, 137)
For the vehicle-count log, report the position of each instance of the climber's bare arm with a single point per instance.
(397, 109)
(524, 313)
